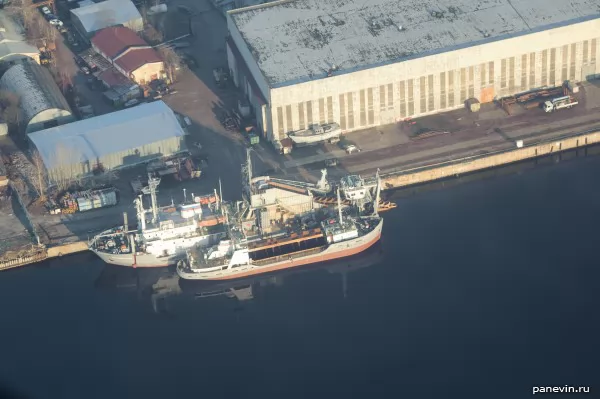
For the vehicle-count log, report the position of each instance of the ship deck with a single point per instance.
(292, 238)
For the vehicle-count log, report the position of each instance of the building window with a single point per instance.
(309, 118)
(471, 82)
(422, 95)
(363, 112)
(503, 73)
(593, 52)
(288, 114)
(330, 109)
(382, 103)
(584, 60)
(442, 90)
(552, 67)
(343, 111)
(402, 96)
(301, 116)
(280, 121)
(430, 102)
(524, 72)
(350, 111)
(565, 59)
(545, 68)
(370, 104)
(532, 70)
(511, 74)
(411, 97)
(390, 96)
(451, 89)
(481, 75)
(491, 73)
(321, 110)
(463, 84)
(573, 61)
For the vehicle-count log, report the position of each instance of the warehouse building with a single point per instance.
(129, 54)
(41, 102)
(110, 141)
(90, 19)
(364, 64)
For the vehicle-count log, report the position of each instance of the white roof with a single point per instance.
(107, 13)
(295, 41)
(93, 138)
(35, 87)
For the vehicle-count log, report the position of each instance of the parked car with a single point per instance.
(50, 17)
(85, 70)
(45, 10)
(131, 103)
(351, 148)
(331, 162)
(56, 22)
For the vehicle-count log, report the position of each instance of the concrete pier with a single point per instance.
(457, 167)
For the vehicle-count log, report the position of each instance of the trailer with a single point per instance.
(559, 103)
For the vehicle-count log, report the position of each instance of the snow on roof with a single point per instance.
(12, 40)
(107, 13)
(35, 88)
(295, 41)
(93, 138)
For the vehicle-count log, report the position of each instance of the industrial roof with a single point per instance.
(107, 13)
(134, 58)
(125, 47)
(93, 138)
(114, 40)
(35, 88)
(12, 40)
(295, 41)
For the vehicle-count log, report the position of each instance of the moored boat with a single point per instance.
(314, 236)
(315, 134)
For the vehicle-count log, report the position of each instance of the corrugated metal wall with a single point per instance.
(131, 157)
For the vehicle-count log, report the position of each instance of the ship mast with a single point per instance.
(140, 212)
(339, 203)
(152, 185)
(220, 194)
(377, 192)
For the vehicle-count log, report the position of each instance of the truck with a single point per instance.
(559, 103)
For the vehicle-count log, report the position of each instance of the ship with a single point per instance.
(315, 134)
(311, 236)
(162, 239)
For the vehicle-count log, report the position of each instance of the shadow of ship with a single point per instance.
(163, 282)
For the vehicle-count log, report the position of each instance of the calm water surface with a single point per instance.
(482, 290)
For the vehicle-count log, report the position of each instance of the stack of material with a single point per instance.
(87, 200)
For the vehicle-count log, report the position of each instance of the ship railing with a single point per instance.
(290, 256)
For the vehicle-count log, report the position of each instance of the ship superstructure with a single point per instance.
(163, 234)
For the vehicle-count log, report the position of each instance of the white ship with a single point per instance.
(315, 134)
(162, 240)
(314, 236)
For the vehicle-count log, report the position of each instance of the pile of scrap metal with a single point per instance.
(230, 121)
(180, 167)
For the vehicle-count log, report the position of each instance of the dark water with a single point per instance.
(482, 291)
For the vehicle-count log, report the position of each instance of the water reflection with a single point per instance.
(157, 285)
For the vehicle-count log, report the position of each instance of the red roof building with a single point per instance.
(129, 54)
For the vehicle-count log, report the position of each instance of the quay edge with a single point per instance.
(393, 180)
(456, 167)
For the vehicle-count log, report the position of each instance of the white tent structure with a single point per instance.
(92, 18)
(110, 141)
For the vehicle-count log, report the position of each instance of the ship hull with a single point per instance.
(334, 251)
(142, 260)
(314, 139)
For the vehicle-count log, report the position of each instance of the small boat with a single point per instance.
(315, 134)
